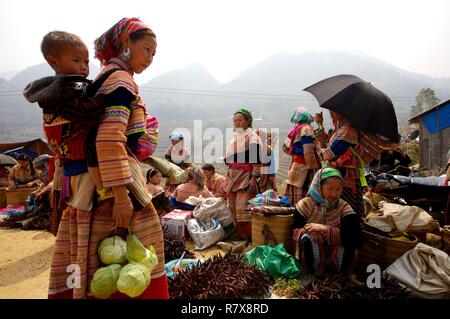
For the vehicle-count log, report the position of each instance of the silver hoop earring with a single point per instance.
(126, 54)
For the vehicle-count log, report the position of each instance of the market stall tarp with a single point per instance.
(34, 147)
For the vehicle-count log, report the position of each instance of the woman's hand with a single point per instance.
(30, 184)
(318, 118)
(314, 227)
(122, 208)
(122, 213)
(324, 155)
(252, 184)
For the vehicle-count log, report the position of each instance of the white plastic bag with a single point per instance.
(213, 208)
(205, 235)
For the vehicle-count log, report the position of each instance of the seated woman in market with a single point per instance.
(22, 174)
(154, 181)
(195, 186)
(326, 227)
(160, 199)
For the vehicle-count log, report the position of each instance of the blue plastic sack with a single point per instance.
(184, 263)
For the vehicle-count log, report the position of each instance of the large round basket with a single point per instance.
(381, 250)
(18, 196)
(271, 230)
(445, 239)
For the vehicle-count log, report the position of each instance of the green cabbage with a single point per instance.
(113, 250)
(151, 259)
(134, 278)
(135, 250)
(103, 283)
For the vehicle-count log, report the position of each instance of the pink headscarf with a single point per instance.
(107, 46)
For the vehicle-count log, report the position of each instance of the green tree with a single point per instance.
(425, 99)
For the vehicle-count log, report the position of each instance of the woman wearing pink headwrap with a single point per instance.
(129, 47)
(301, 145)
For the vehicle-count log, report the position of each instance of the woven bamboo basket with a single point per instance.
(18, 196)
(445, 239)
(3, 202)
(382, 250)
(272, 230)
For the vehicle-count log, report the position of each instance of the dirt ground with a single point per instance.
(25, 263)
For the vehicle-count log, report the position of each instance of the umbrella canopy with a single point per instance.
(7, 160)
(40, 161)
(364, 105)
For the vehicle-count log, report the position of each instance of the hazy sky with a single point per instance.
(231, 35)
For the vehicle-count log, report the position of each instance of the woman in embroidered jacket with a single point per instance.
(301, 145)
(243, 157)
(325, 227)
(23, 173)
(178, 154)
(128, 46)
(340, 148)
(215, 182)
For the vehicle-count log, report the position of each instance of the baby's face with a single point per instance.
(72, 61)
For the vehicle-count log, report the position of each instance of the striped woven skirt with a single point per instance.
(294, 194)
(56, 214)
(238, 203)
(267, 182)
(76, 245)
(301, 179)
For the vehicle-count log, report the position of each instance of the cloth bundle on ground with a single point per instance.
(425, 270)
(10, 211)
(170, 170)
(274, 260)
(205, 234)
(233, 247)
(396, 219)
(269, 198)
(211, 208)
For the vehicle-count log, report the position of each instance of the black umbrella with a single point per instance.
(364, 105)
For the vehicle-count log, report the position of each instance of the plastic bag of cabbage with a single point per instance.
(133, 278)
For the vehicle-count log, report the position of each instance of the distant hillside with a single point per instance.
(192, 76)
(7, 75)
(5, 86)
(290, 73)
